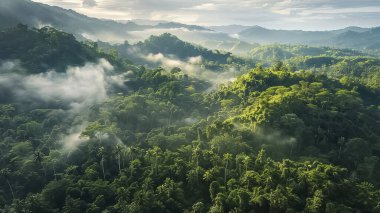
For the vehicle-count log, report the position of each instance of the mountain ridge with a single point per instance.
(235, 38)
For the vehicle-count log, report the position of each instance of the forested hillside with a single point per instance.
(88, 130)
(169, 48)
(271, 52)
(345, 64)
(43, 49)
(38, 15)
(364, 39)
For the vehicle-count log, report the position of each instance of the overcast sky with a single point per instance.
(277, 14)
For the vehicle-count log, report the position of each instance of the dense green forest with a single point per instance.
(172, 47)
(88, 129)
(350, 65)
(42, 49)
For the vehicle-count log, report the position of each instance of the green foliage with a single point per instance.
(273, 52)
(43, 49)
(274, 140)
(172, 47)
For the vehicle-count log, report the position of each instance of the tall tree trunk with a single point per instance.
(226, 172)
(55, 175)
(119, 164)
(102, 164)
(10, 187)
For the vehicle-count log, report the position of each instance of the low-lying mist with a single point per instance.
(77, 88)
(193, 36)
(71, 92)
(193, 67)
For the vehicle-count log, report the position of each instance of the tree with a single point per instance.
(118, 150)
(227, 158)
(246, 161)
(101, 154)
(198, 207)
(214, 189)
(39, 157)
(197, 152)
(316, 203)
(153, 156)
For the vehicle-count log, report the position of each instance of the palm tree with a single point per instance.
(128, 153)
(240, 162)
(38, 157)
(133, 166)
(226, 157)
(246, 162)
(195, 155)
(131, 152)
(153, 155)
(248, 179)
(101, 154)
(119, 151)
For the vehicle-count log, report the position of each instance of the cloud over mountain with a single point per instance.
(284, 14)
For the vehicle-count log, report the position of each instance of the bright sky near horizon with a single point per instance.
(276, 14)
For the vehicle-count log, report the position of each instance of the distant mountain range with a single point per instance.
(234, 38)
(38, 15)
(229, 29)
(350, 37)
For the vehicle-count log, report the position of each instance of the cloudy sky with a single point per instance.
(278, 14)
